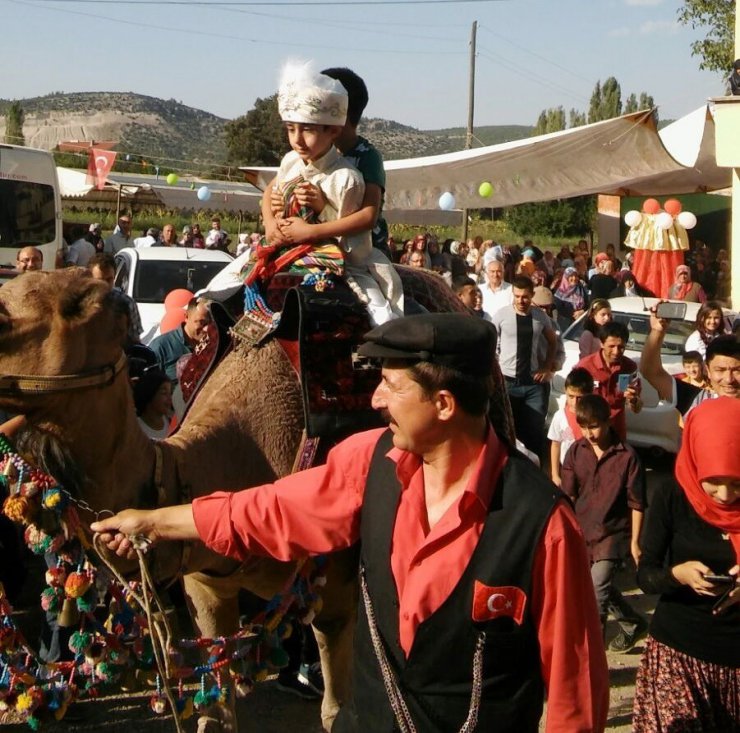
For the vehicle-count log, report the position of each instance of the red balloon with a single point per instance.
(673, 207)
(171, 320)
(177, 299)
(651, 206)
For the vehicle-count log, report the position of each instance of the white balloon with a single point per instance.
(664, 220)
(632, 218)
(687, 220)
(447, 201)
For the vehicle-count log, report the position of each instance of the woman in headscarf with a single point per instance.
(628, 286)
(571, 298)
(689, 675)
(684, 289)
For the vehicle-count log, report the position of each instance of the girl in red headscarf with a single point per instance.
(689, 676)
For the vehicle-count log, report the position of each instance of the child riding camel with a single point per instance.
(318, 184)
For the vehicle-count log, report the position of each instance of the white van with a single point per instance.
(30, 205)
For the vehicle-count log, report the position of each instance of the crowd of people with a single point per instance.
(466, 544)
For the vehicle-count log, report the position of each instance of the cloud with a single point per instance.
(649, 27)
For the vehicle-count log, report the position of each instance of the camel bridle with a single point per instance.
(32, 384)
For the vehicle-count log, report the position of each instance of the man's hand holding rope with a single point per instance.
(135, 530)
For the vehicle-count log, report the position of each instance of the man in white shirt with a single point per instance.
(121, 236)
(496, 293)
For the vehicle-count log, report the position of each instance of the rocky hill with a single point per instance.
(159, 128)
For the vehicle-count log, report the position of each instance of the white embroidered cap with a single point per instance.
(311, 98)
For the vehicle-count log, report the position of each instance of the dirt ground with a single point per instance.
(268, 710)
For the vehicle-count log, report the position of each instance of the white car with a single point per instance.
(149, 274)
(656, 425)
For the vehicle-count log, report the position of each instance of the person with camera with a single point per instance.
(689, 675)
(615, 375)
(722, 363)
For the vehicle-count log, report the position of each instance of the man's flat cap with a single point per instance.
(463, 342)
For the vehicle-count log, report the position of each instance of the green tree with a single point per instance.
(717, 18)
(550, 120)
(576, 118)
(606, 101)
(563, 218)
(14, 125)
(631, 105)
(257, 138)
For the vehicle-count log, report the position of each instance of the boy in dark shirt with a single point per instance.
(604, 478)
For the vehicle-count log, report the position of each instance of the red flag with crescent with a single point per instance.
(493, 601)
(99, 165)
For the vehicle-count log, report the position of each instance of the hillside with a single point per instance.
(166, 129)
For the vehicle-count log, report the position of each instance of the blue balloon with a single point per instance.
(204, 193)
(447, 201)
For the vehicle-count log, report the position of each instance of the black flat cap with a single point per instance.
(463, 342)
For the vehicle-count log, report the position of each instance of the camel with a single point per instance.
(244, 429)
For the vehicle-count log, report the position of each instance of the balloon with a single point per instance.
(172, 179)
(650, 206)
(664, 220)
(485, 190)
(672, 206)
(632, 218)
(447, 201)
(178, 298)
(687, 220)
(171, 320)
(204, 193)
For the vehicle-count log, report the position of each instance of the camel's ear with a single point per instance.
(80, 300)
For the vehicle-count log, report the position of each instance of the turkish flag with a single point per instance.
(99, 165)
(493, 601)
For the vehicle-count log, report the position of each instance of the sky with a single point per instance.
(414, 57)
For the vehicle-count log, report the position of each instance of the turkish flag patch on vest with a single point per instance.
(492, 602)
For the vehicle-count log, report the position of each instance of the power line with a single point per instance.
(272, 3)
(220, 35)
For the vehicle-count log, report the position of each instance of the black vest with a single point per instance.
(436, 679)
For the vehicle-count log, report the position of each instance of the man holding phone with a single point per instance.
(615, 375)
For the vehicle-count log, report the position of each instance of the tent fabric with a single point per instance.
(622, 156)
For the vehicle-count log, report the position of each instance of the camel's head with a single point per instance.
(56, 323)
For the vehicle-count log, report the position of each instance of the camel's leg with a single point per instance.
(334, 628)
(214, 608)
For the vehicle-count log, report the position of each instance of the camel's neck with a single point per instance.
(105, 439)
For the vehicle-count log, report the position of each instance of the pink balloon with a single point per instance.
(177, 299)
(673, 207)
(171, 320)
(651, 206)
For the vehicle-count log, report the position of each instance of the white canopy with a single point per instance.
(624, 156)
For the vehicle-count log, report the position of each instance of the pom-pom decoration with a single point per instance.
(77, 584)
(632, 218)
(664, 220)
(687, 219)
(651, 206)
(673, 207)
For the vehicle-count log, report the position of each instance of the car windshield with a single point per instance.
(639, 327)
(156, 278)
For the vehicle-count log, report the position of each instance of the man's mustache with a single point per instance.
(386, 416)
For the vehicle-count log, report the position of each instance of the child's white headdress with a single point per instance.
(306, 96)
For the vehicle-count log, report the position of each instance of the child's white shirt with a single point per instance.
(344, 189)
(560, 431)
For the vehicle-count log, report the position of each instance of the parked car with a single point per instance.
(656, 425)
(7, 274)
(147, 275)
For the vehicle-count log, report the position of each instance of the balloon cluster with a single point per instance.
(664, 218)
(447, 200)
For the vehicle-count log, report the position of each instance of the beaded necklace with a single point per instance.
(106, 653)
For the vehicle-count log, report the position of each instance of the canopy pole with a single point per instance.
(118, 203)
(471, 111)
(735, 223)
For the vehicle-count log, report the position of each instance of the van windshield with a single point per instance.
(27, 215)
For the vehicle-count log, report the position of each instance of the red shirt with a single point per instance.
(318, 510)
(606, 376)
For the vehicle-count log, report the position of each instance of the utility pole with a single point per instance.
(471, 112)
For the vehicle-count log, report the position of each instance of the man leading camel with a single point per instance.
(465, 546)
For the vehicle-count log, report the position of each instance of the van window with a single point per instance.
(27, 214)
